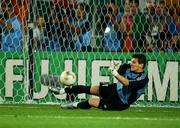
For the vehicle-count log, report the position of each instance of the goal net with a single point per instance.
(49, 36)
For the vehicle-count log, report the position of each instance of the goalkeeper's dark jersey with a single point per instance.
(137, 83)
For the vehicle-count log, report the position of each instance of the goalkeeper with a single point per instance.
(131, 84)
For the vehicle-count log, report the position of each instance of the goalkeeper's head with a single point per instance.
(138, 62)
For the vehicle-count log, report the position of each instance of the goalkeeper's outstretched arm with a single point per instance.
(119, 77)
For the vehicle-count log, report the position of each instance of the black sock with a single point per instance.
(78, 89)
(84, 105)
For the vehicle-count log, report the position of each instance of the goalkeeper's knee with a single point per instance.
(84, 105)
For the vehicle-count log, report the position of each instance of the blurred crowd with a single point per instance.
(155, 29)
(71, 27)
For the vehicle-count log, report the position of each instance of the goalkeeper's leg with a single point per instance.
(55, 86)
(87, 104)
(104, 104)
(94, 90)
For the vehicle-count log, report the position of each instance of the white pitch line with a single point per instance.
(17, 106)
(95, 118)
(14, 106)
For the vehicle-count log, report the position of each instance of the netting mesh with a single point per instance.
(49, 36)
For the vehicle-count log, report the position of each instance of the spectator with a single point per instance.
(149, 12)
(12, 30)
(65, 3)
(82, 28)
(158, 24)
(57, 30)
(139, 27)
(148, 48)
(175, 43)
(69, 38)
(116, 14)
(21, 11)
(126, 27)
(2, 16)
(173, 26)
(40, 40)
(163, 44)
(62, 35)
(108, 25)
(174, 30)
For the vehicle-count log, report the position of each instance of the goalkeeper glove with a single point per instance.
(116, 65)
(113, 68)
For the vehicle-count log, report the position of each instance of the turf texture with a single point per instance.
(52, 116)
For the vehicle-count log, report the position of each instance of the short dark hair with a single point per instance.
(162, 2)
(10, 5)
(85, 6)
(141, 58)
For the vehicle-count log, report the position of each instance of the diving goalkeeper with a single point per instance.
(131, 84)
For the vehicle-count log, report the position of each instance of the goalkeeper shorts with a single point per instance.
(110, 99)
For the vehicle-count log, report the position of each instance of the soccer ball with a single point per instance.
(67, 78)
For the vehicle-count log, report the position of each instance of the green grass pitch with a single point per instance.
(51, 116)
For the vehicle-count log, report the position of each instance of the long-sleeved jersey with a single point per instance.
(137, 82)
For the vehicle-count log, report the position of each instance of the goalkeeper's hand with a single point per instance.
(113, 68)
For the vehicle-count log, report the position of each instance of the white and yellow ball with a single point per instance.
(68, 78)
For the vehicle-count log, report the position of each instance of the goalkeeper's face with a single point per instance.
(135, 66)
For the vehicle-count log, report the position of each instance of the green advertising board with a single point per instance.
(90, 68)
